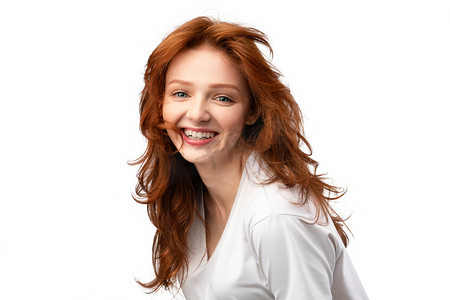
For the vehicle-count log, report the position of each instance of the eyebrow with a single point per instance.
(214, 85)
(180, 82)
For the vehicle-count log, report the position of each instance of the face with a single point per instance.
(207, 98)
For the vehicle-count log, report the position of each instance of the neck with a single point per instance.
(221, 179)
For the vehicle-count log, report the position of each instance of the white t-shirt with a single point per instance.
(270, 250)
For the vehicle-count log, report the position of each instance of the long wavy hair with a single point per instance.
(169, 185)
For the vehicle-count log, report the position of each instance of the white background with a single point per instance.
(372, 79)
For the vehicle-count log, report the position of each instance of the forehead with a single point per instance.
(204, 64)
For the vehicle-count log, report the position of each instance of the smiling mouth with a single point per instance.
(199, 135)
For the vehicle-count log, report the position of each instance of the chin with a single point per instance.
(210, 158)
(197, 156)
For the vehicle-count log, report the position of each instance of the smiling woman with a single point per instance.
(239, 210)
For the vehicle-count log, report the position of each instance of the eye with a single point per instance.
(180, 94)
(224, 99)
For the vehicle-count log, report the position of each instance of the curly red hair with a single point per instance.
(168, 184)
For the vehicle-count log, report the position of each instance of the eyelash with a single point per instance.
(180, 94)
(177, 94)
(227, 99)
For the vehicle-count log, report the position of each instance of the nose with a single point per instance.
(198, 110)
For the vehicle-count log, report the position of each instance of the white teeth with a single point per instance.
(198, 135)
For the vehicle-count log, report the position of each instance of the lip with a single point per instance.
(201, 142)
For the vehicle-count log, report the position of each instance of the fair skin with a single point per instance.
(207, 98)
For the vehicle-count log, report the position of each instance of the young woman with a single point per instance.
(239, 210)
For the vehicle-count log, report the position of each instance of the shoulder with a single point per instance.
(271, 208)
(264, 199)
(276, 201)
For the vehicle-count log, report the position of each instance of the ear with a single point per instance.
(253, 116)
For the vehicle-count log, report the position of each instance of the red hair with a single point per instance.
(168, 184)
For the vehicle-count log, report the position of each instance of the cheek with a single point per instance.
(234, 124)
(169, 113)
